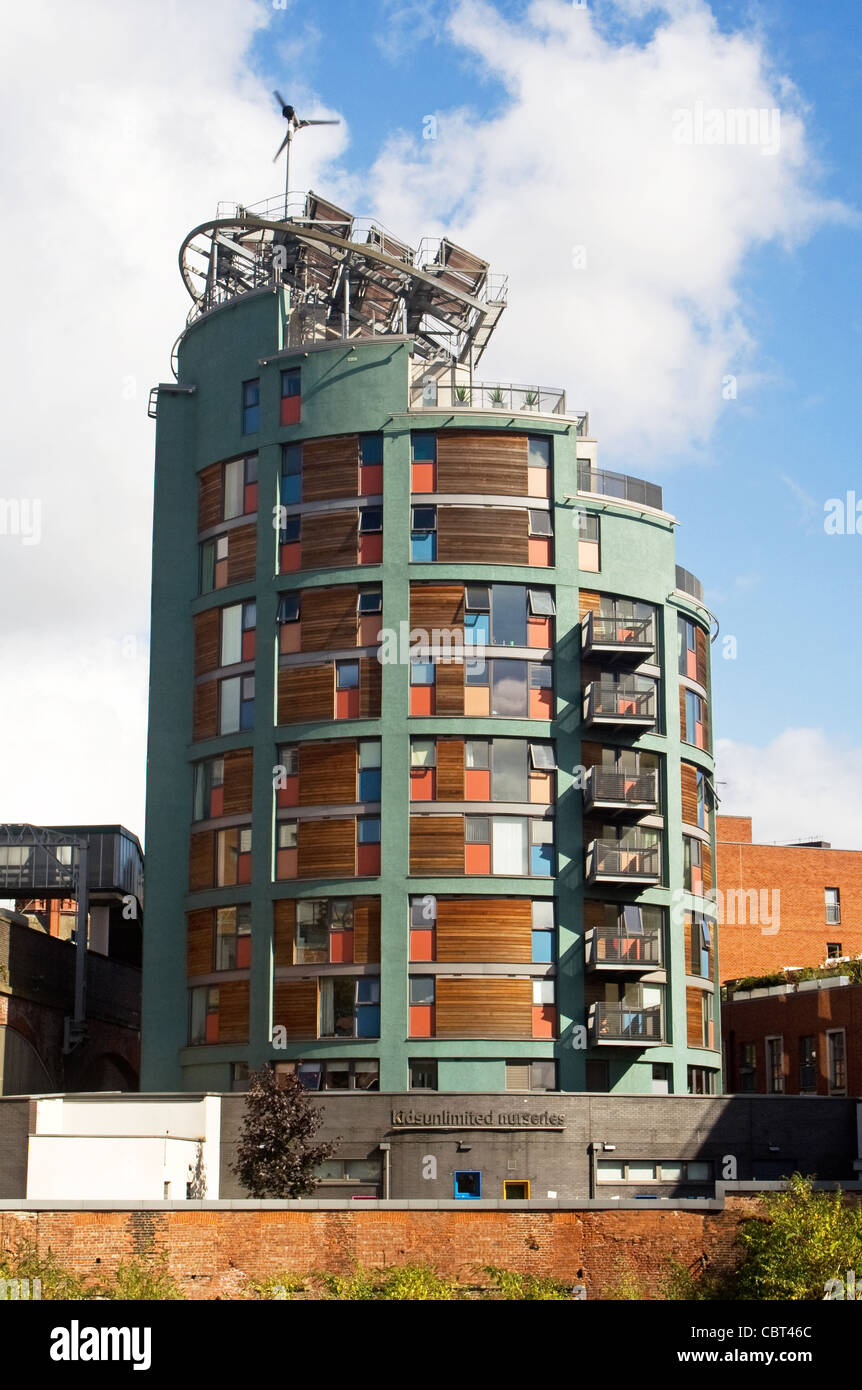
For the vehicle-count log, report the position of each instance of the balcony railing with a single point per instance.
(613, 636)
(620, 1023)
(627, 702)
(621, 790)
(430, 393)
(622, 861)
(619, 485)
(611, 949)
(687, 582)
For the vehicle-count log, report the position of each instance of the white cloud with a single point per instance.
(583, 154)
(800, 786)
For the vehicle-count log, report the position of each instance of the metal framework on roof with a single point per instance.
(348, 277)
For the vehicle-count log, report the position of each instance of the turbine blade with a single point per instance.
(320, 123)
(280, 148)
(280, 99)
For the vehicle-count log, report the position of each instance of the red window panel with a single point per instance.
(290, 557)
(423, 477)
(541, 704)
(369, 630)
(217, 802)
(539, 550)
(291, 410)
(371, 479)
(422, 784)
(248, 645)
(371, 548)
(212, 1028)
(341, 947)
(421, 1020)
(243, 952)
(290, 637)
(422, 944)
(477, 859)
(538, 631)
(544, 1021)
(347, 704)
(477, 784)
(288, 795)
(250, 498)
(243, 868)
(421, 699)
(220, 580)
(368, 860)
(286, 863)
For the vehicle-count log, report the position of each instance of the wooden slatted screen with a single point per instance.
(330, 541)
(283, 930)
(694, 1016)
(233, 1011)
(700, 648)
(482, 461)
(294, 1007)
(330, 468)
(483, 535)
(450, 769)
(327, 772)
(205, 716)
(209, 496)
(238, 765)
(706, 860)
(436, 844)
(326, 848)
(201, 860)
(329, 618)
(207, 629)
(449, 687)
(688, 773)
(594, 914)
(588, 602)
(306, 693)
(366, 930)
(682, 730)
(370, 687)
(437, 605)
(241, 554)
(484, 1008)
(484, 929)
(199, 942)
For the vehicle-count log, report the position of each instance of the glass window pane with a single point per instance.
(423, 752)
(421, 673)
(509, 769)
(609, 1170)
(424, 518)
(229, 713)
(234, 474)
(347, 675)
(542, 602)
(478, 598)
(542, 756)
(477, 830)
(540, 523)
(543, 914)
(370, 519)
(477, 752)
(509, 689)
(371, 448)
(543, 947)
(370, 600)
(541, 676)
(539, 452)
(509, 845)
(423, 911)
(368, 830)
(508, 615)
(369, 752)
(424, 448)
(421, 989)
(641, 1172)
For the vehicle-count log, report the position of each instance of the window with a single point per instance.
(509, 696)
(541, 602)
(291, 530)
(692, 866)
(701, 1082)
(695, 720)
(347, 675)
(588, 526)
(349, 1007)
(643, 1170)
(421, 672)
(837, 1062)
(540, 523)
(686, 650)
(541, 676)
(203, 1014)
(237, 704)
(288, 608)
(336, 1075)
(423, 1076)
(421, 989)
(808, 1065)
(291, 474)
(369, 769)
(468, 1185)
(538, 451)
(251, 406)
(509, 845)
(833, 950)
(701, 945)
(209, 789)
(775, 1066)
(531, 1076)
(662, 1078)
(423, 534)
(424, 447)
(291, 396)
(349, 1170)
(516, 1190)
(589, 548)
(287, 834)
(542, 757)
(544, 992)
(213, 570)
(369, 601)
(368, 830)
(370, 520)
(423, 911)
(704, 800)
(237, 628)
(233, 938)
(543, 934)
(833, 906)
(240, 487)
(423, 752)
(508, 615)
(311, 945)
(370, 449)
(748, 1066)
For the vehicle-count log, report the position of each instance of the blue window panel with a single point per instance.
(291, 530)
(371, 448)
(421, 673)
(425, 448)
(369, 784)
(367, 991)
(368, 1021)
(468, 1186)
(291, 490)
(251, 419)
(543, 947)
(291, 383)
(541, 861)
(477, 629)
(246, 714)
(690, 713)
(368, 830)
(423, 545)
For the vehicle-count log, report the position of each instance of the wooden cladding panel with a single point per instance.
(241, 554)
(207, 628)
(450, 769)
(694, 1016)
(682, 713)
(449, 687)
(594, 914)
(591, 754)
(484, 929)
(482, 461)
(437, 605)
(201, 860)
(483, 535)
(588, 602)
(330, 541)
(485, 1008)
(294, 1007)
(688, 773)
(326, 848)
(205, 716)
(238, 766)
(209, 496)
(283, 930)
(199, 942)
(700, 650)
(436, 844)
(366, 930)
(706, 734)
(305, 693)
(687, 942)
(330, 468)
(706, 859)
(370, 687)
(233, 1011)
(327, 773)
(329, 618)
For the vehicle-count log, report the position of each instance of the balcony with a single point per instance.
(428, 392)
(621, 791)
(601, 482)
(611, 951)
(624, 704)
(687, 583)
(623, 1025)
(629, 639)
(621, 861)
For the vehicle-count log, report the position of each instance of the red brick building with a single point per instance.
(783, 905)
(803, 1039)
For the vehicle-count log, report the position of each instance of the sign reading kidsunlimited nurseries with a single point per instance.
(476, 1119)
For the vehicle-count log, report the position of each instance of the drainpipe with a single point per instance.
(594, 1148)
(386, 1150)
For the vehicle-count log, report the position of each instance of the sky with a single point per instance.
(697, 292)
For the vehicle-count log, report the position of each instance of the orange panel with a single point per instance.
(220, 574)
(367, 860)
(289, 637)
(249, 645)
(243, 868)
(541, 706)
(421, 1020)
(285, 863)
(423, 477)
(544, 1021)
(538, 480)
(371, 548)
(477, 784)
(538, 632)
(421, 699)
(347, 704)
(371, 479)
(250, 498)
(477, 859)
(539, 550)
(217, 802)
(421, 784)
(477, 700)
(369, 630)
(691, 665)
(422, 945)
(212, 1028)
(291, 410)
(288, 795)
(243, 952)
(341, 947)
(699, 739)
(290, 557)
(541, 787)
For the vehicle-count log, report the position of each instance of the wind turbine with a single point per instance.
(293, 125)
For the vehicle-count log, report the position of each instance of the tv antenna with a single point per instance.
(294, 123)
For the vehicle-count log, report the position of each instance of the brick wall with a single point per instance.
(213, 1253)
(791, 1016)
(800, 876)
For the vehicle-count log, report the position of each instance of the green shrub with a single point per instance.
(804, 1239)
(511, 1285)
(279, 1286)
(144, 1280)
(23, 1261)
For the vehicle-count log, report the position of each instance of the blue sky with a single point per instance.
(554, 133)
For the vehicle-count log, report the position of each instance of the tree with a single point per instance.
(806, 1238)
(276, 1157)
